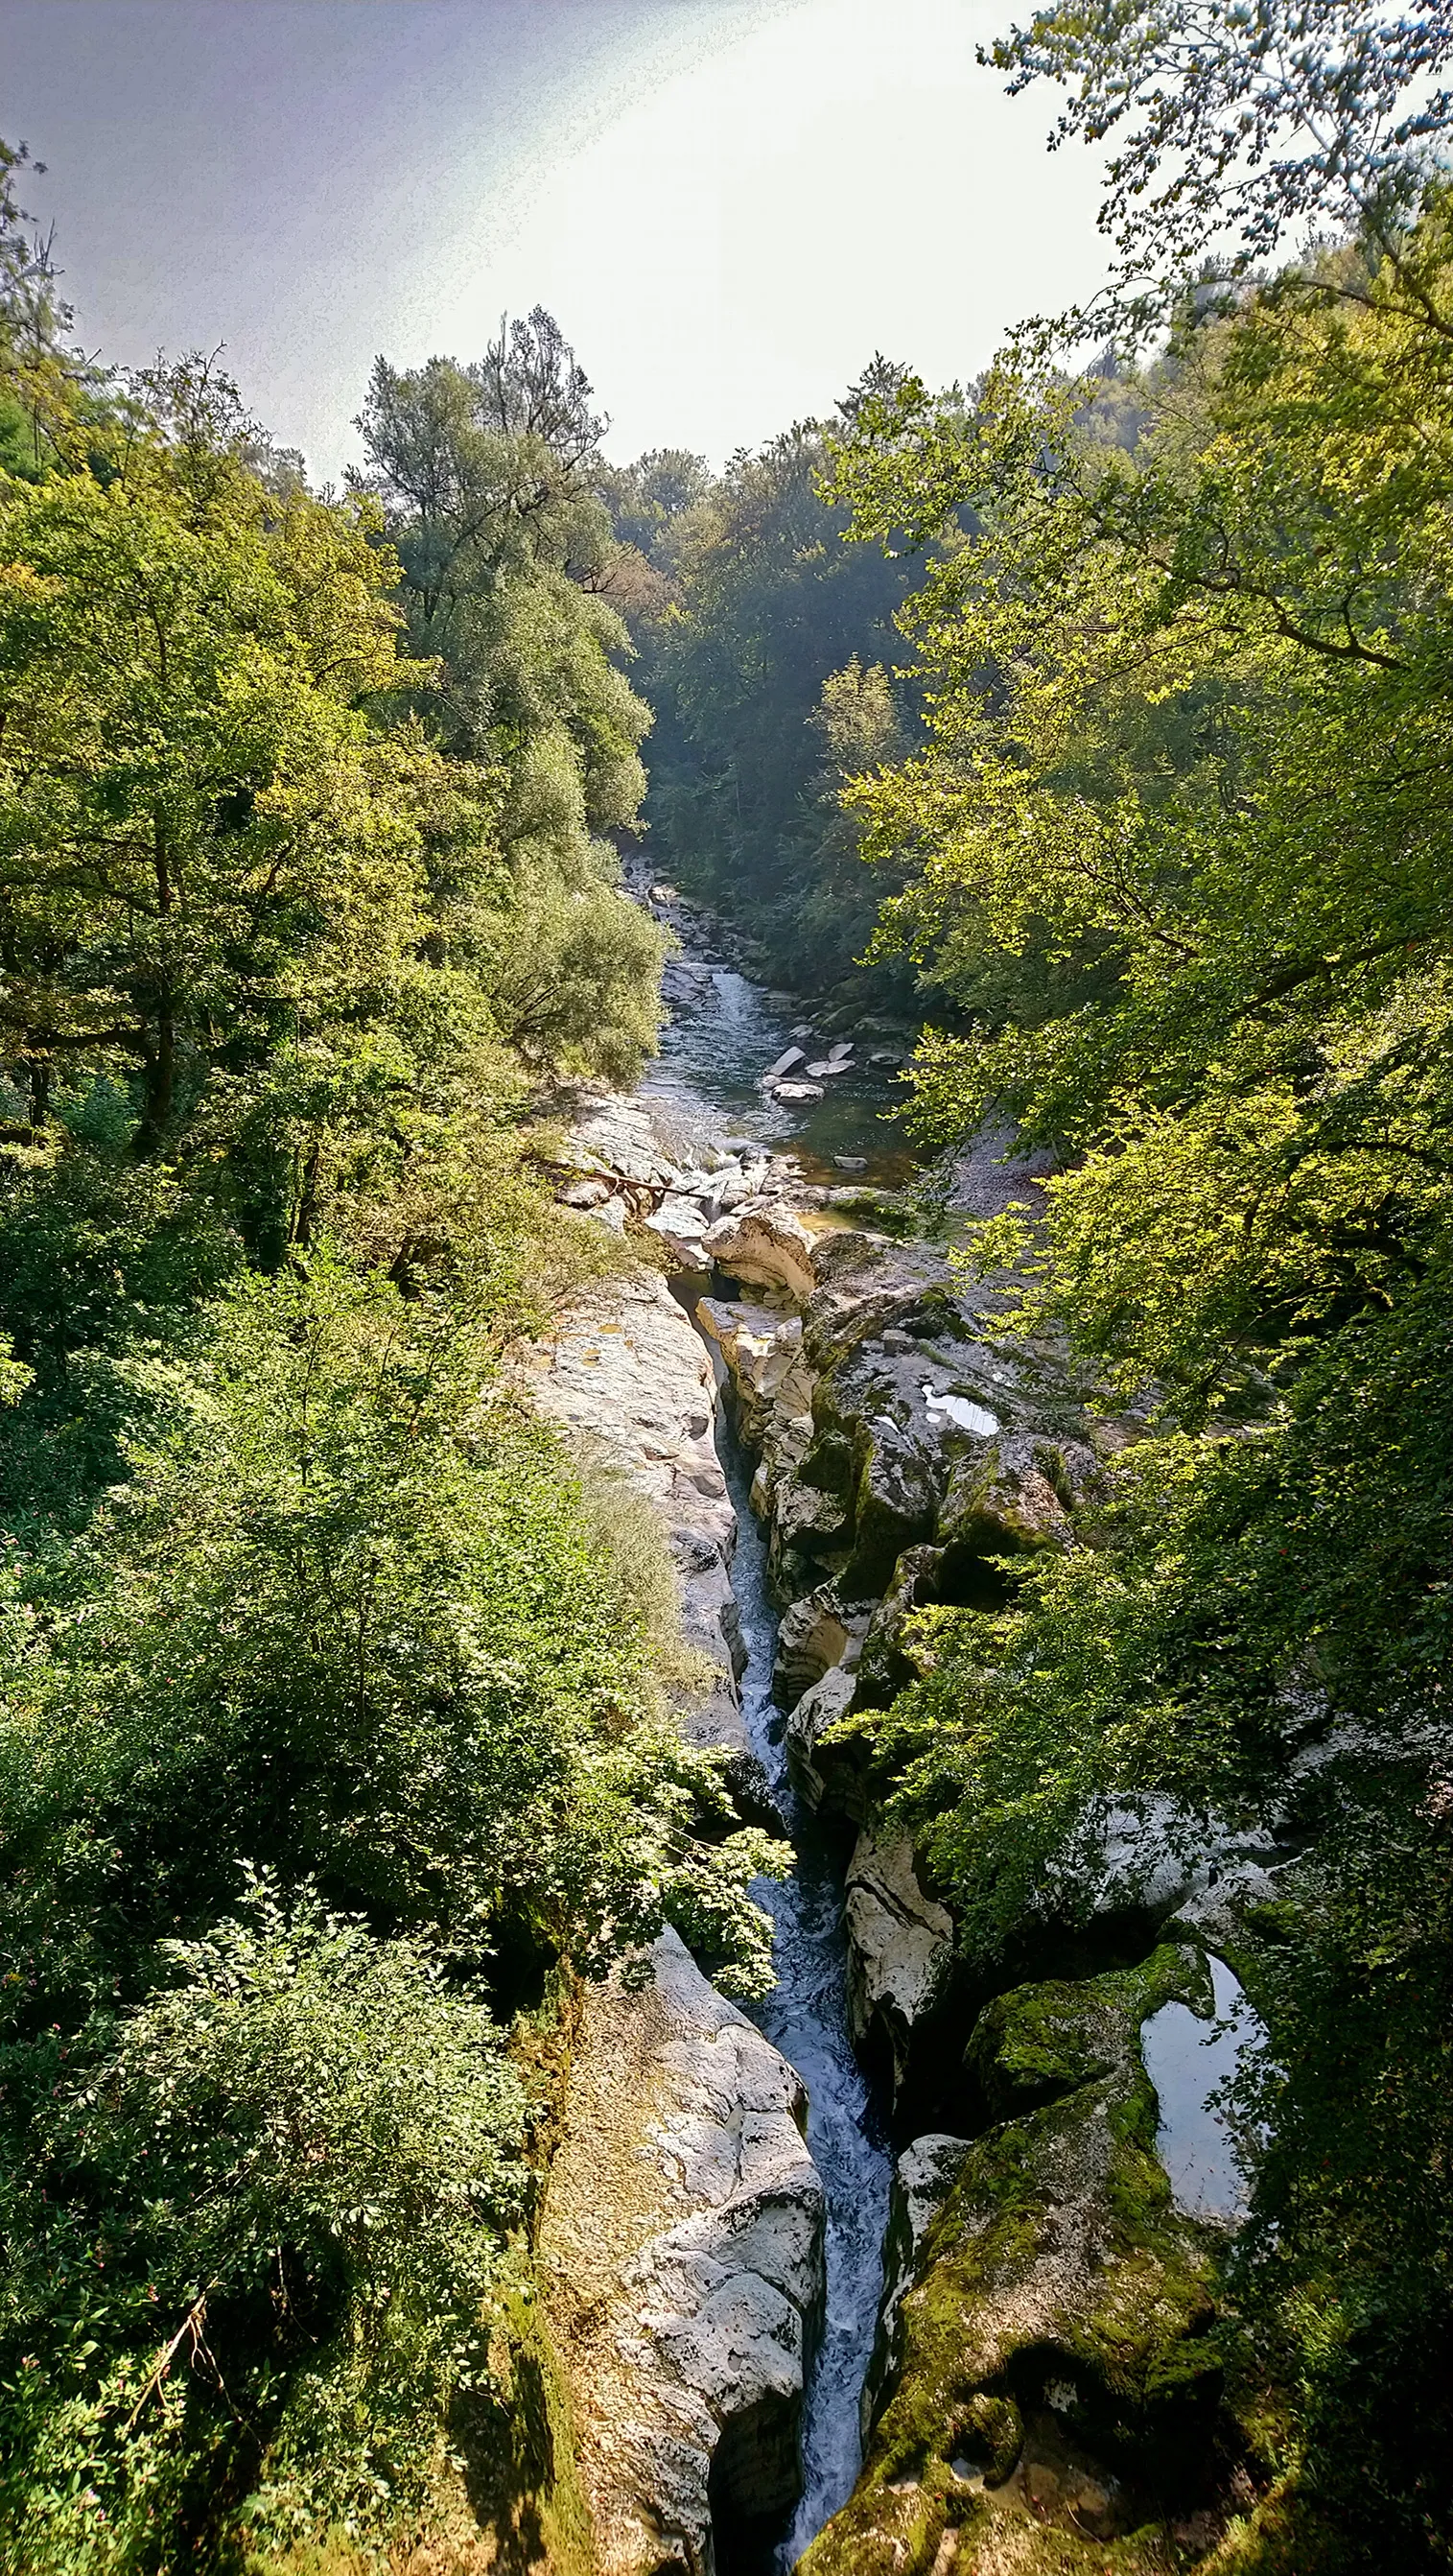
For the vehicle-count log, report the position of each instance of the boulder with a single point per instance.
(681, 1223)
(901, 1479)
(818, 1708)
(1146, 1855)
(1013, 1492)
(791, 1055)
(809, 1527)
(900, 1943)
(770, 1249)
(681, 2247)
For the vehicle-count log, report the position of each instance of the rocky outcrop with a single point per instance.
(815, 1633)
(761, 1346)
(735, 1206)
(1046, 2382)
(899, 1946)
(808, 1722)
(923, 2177)
(625, 1377)
(765, 1247)
(1144, 1856)
(681, 2249)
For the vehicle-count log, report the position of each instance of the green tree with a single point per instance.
(198, 837)
(762, 604)
(485, 478)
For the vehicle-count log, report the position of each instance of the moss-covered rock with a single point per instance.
(1057, 2395)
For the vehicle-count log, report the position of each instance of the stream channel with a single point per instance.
(723, 1033)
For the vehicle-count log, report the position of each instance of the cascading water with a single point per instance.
(806, 2016)
(722, 1034)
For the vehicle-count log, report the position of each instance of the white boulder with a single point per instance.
(682, 2250)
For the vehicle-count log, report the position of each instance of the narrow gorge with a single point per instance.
(902, 2271)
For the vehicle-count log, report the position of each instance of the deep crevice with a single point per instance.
(807, 2019)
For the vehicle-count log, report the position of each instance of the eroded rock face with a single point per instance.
(1051, 2384)
(815, 1633)
(899, 1945)
(624, 1375)
(762, 1348)
(819, 1708)
(681, 2246)
(772, 1248)
(923, 2177)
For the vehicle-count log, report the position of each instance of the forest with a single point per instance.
(1093, 717)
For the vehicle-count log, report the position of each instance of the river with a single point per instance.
(723, 1033)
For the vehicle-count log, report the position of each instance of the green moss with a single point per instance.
(1058, 2359)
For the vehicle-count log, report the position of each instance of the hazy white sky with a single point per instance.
(728, 203)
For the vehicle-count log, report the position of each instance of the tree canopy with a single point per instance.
(335, 1699)
(1176, 852)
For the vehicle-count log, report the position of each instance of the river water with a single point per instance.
(806, 2016)
(723, 1033)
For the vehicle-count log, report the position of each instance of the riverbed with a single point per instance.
(723, 1033)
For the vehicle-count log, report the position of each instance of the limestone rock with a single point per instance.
(625, 1376)
(1148, 1855)
(923, 2177)
(900, 1485)
(681, 2246)
(1015, 1493)
(772, 1249)
(681, 1223)
(762, 1348)
(815, 1633)
(887, 1664)
(817, 1710)
(900, 1942)
(618, 1133)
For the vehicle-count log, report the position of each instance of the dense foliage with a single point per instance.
(767, 647)
(1178, 851)
(335, 1709)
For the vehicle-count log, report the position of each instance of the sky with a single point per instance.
(728, 204)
